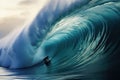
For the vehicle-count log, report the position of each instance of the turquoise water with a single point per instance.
(80, 37)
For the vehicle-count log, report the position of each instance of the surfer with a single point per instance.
(46, 61)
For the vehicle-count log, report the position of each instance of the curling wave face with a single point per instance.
(80, 37)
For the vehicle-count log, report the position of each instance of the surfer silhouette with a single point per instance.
(46, 61)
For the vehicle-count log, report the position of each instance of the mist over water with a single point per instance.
(81, 38)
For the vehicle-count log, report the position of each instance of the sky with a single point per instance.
(15, 13)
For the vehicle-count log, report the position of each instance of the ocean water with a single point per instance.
(81, 38)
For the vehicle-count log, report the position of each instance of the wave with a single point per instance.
(80, 37)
